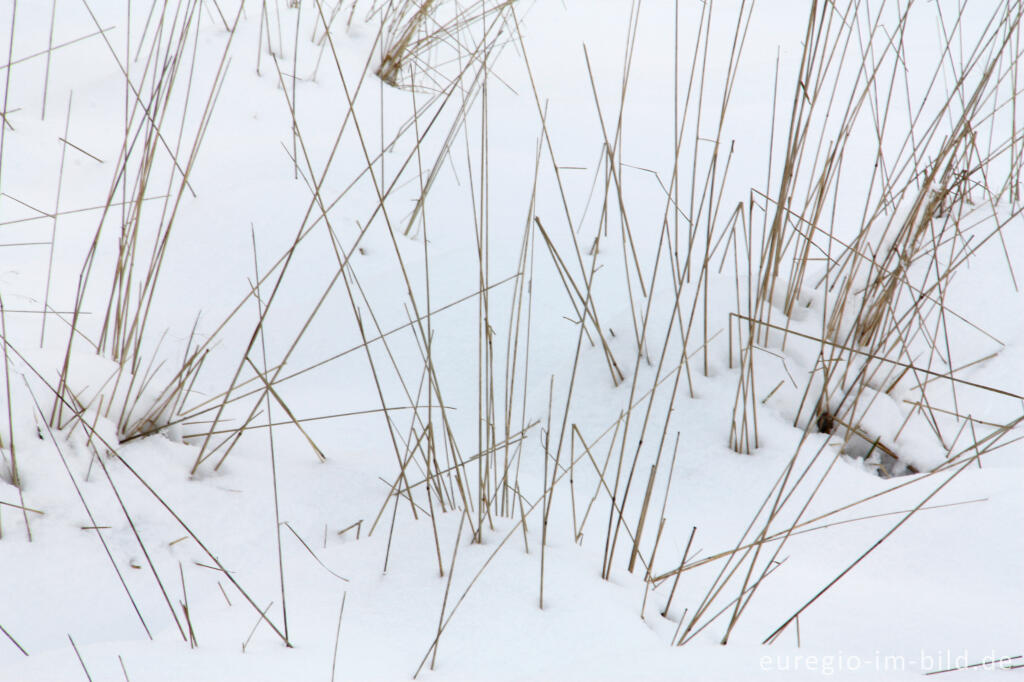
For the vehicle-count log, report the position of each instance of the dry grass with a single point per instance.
(879, 296)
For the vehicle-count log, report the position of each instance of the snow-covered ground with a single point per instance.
(510, 368)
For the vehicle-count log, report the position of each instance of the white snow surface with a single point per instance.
(120, 532)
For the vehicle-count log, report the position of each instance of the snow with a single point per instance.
(138, 526)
